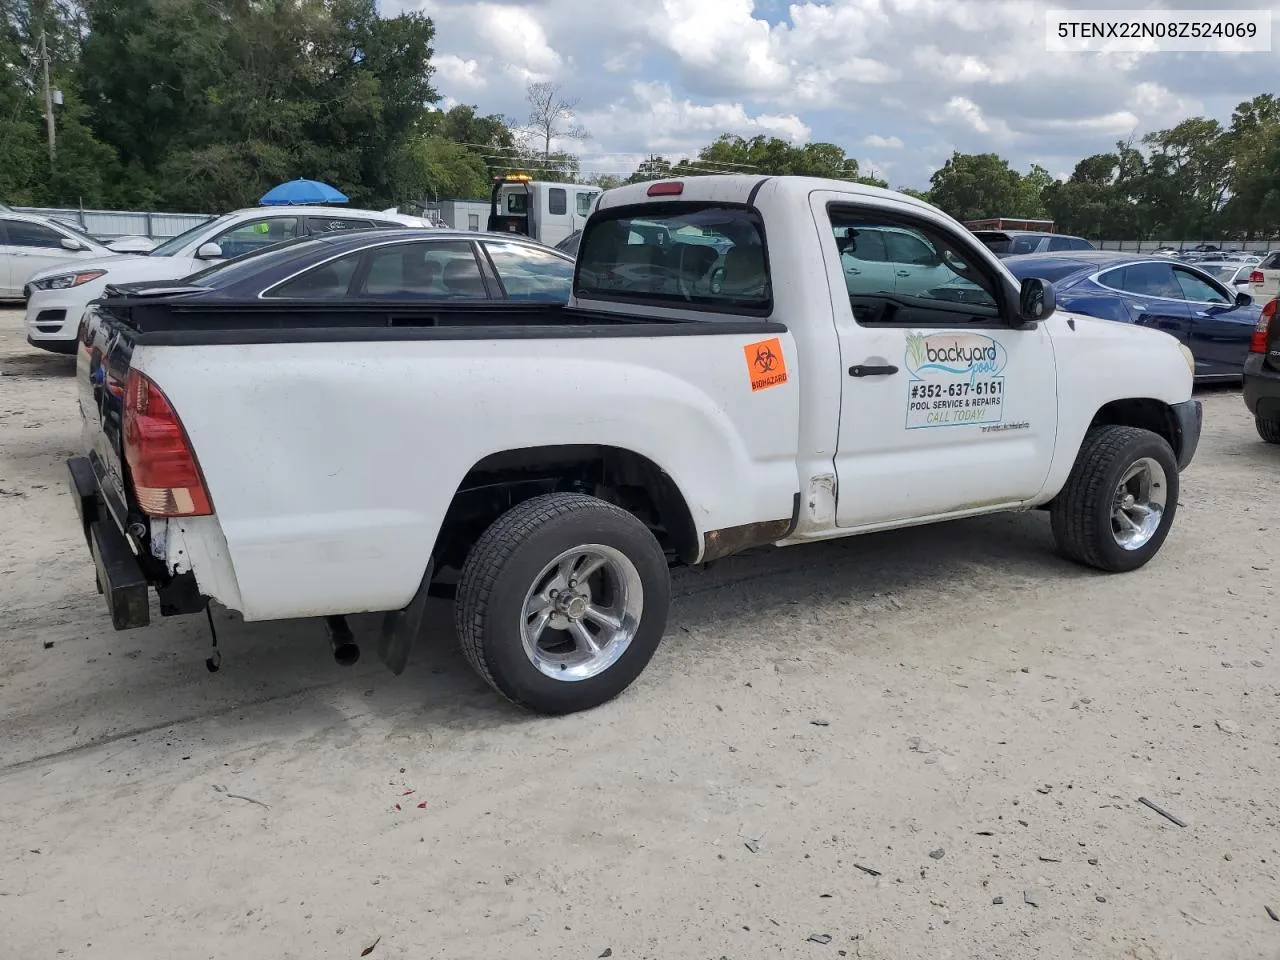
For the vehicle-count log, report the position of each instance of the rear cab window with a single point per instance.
(708, 257)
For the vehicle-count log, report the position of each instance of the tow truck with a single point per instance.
(543, 211)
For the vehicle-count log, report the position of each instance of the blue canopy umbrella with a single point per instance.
(298, 192)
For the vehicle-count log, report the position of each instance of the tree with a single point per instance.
(654, 168)
(770, 156)
(973, 186)
(551, 118)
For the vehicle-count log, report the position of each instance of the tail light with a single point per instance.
(1261, 329)
(166, 478)
(1256, 278)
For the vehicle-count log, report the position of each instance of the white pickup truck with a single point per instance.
(722, 378)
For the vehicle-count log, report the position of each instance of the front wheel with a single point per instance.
(562, 602)
(1119, 501)
(1268, 430)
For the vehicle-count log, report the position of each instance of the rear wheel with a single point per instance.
(562, 602)
(1268, 430)
(1118, 504)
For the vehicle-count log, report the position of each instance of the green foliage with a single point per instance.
(767, 155)
(206, 104)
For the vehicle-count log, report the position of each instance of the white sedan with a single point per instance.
(31, 244)
(57, 297)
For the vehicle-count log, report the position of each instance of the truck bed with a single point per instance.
(333, 438)
(166, 317)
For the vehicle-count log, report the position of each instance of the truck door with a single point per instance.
(944, 405)
(554, 221)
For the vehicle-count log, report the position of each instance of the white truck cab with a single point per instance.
(546, 212)
(744, 361)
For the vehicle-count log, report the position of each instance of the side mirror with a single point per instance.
(209, 251)
(70, 244)
(1243, 300)
(1036, 301)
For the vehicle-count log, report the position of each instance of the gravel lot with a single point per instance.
(955, 708)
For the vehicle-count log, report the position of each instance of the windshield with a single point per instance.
(1221, 271)
(704, 256)
(232, 271)
(174, 244)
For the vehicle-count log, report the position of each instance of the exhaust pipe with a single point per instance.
(345, 649)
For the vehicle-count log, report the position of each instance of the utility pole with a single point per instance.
(48, 95)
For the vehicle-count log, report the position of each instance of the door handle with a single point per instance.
(904, 273)
(859, 370)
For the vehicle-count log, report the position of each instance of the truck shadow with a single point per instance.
(278, 679)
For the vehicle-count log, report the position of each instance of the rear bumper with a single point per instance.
(1190, 420)
(121, 579)
(1261, 388)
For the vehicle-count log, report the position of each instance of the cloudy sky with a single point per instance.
(899, 84)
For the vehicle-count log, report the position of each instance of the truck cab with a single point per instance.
(546, 212)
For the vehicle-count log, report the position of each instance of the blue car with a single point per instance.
(1214, 321)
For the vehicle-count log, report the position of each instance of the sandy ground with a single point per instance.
(955, 708)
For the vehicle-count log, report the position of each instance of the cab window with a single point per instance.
(583, 204)
(706, 257)
(904, 273)
(557, 202)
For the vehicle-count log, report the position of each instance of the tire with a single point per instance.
(1082, 513)
(509, 561)
(1268, 430)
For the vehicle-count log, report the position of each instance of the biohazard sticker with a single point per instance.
(766, 366)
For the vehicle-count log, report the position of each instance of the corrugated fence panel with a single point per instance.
(109, 224)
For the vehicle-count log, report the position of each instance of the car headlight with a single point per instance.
(64, 281)
(1188, 356)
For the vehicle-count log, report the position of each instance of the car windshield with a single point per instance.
(1222, 271)
(233, 271)
(174, 244)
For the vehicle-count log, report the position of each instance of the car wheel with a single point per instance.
(562, 602)
(1119, 501)
(1268, 430)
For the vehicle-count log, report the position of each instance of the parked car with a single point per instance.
(365, 266)
(125, 244)
(1240, 275)
(1212, 320)
(1007, 243)
(31, 244)
(1269, 267)
(547, 464)
(1262, 374)
(57, 298)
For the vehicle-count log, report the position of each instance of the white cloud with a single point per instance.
(458, 75)
(882, 143)
(926, 75)
(652, 118)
